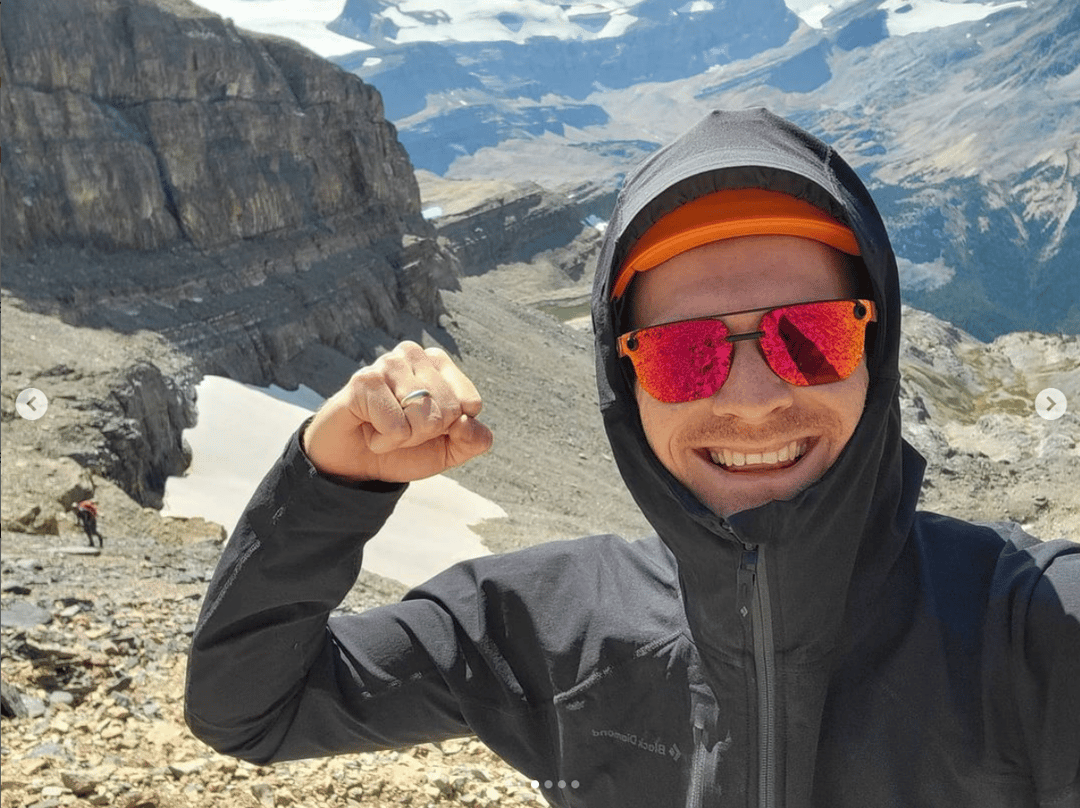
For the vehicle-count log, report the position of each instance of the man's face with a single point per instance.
(755, 414)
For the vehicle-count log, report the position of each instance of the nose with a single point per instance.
(752, 392)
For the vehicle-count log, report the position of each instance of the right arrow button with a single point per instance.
(1050, 404)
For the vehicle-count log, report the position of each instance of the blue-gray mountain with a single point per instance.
(968, 134)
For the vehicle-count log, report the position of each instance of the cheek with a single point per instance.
(656, 421)
(646, 406)
(854, 398)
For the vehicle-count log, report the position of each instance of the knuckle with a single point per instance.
(367, 379)
(392, 362)
(411, 351)
(437, 355)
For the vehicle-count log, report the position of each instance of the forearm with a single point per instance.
(293, 557)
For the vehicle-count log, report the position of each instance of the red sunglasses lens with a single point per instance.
(681, 361)
(815, 343)
(805, 344)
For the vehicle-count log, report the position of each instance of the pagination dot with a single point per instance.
(551, 784)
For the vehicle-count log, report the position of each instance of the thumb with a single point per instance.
(465, 439)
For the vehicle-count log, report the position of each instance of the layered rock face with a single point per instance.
(237, 195)
(487, 224)
(140, 125)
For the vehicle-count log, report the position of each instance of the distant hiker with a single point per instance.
(87, 513)
(795, 634)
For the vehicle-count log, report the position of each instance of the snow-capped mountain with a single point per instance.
(963, 117)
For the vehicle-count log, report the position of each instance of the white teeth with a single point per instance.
(726, 457)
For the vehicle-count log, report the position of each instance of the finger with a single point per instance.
(427, 419)
(460, 386)
(375, 406)
(399, 419)
(391, 419)
(467, 438)
(451, 394)
(409, 369)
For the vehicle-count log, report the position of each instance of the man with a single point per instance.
(794, 635)
(87, 513)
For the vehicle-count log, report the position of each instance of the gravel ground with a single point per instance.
(550, 466)
(94, 649)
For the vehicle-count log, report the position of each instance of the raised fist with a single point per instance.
(409, 415)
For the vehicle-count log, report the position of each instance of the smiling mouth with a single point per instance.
(772, 460)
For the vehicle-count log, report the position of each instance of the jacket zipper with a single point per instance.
(753, 601)
(697, 765)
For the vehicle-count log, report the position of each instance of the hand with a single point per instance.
(363, 433)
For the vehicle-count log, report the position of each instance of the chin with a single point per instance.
(745, 494)
(729, 506)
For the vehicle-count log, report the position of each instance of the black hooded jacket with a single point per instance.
(835, 649)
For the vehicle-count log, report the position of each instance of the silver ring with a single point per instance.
(415, 396)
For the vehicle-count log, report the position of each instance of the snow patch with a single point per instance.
(595, 222)
(519, 20)
(303, 22)
(696, 6)
(923, 277)
(916, 16)
(240, 434)
(812, 12)
(906, 16)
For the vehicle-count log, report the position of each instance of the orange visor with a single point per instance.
(731, 214)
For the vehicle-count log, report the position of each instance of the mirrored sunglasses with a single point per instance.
(804, 344)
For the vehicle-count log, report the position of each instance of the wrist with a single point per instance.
(359, 484)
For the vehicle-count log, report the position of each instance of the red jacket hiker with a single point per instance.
(87, 512)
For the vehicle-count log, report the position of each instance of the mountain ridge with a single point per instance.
(965, 131)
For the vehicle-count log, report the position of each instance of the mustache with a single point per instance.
(782, 427)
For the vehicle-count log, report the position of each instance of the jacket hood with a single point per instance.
(851, 523)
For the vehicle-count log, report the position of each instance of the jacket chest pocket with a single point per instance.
(638, 736)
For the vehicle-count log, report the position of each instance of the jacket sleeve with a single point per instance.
(1047, 636)
(271, 676)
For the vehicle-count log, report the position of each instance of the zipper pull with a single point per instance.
(700, 737)
(745, 582)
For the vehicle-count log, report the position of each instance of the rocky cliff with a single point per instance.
(237, 195)
(135, 124)
(969, 408)
(488, 223)
(117, 405)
